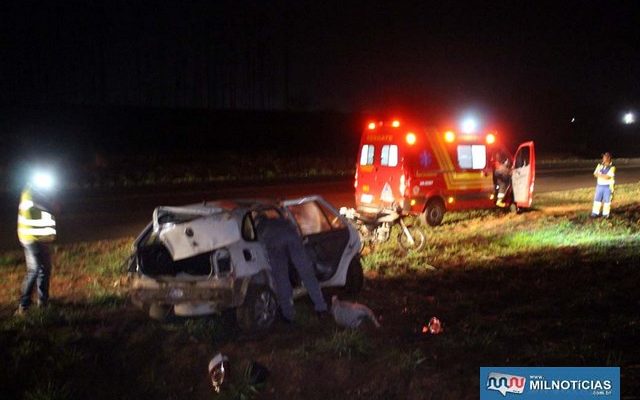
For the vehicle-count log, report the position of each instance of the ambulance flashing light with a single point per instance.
(410, 138)
(449, 136)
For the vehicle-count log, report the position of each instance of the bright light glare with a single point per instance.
(372, 125)
(449, 136)
(411, 138)
(629, 118)
(395, 123)
(469, 125)
(42, 180)
(491, 138)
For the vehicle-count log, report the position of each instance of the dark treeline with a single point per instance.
(145, 54)
(82, 133)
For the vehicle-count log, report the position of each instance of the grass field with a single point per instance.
(548, 287)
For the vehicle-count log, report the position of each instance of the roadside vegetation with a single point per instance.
(222, 168)
(547, 287)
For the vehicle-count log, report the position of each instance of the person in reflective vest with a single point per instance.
(605, 174)
(36, 230)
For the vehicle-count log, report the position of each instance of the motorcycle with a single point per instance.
(376, 228)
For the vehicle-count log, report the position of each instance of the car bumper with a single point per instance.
(218, 293)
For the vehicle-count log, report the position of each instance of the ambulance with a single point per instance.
(427, 172)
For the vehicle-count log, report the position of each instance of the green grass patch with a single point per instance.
(49, 391)
(11, 259)
(348, 343)
(242, 386)
(101, 259)
(36, 318)
(558, 227)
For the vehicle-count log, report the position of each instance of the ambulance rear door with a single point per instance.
(380, 174)
(524, 174)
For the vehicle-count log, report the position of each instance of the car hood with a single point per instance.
(186, 232)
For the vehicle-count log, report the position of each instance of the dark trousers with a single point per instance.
(279, 257)
(38, 260)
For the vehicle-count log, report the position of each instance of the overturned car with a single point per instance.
(207, 258)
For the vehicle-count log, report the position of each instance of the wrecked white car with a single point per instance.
(207, 258)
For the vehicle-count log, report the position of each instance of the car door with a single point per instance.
(324, 233)
(524, 174)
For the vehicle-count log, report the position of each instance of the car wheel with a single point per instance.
(355, 277)
(160, 312)
(419, 239)
(433, 213)
(258, 311)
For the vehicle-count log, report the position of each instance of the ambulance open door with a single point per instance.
(524, 174)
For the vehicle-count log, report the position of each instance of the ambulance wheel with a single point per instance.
(355, 277)
(419, 239)
(433, 213)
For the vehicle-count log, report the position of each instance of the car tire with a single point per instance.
(355, 277)
(160, 312)
(258, 312)
(433, 213)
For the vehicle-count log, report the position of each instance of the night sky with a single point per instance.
(530, 66)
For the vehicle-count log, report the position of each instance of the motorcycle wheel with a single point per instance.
(419, 239)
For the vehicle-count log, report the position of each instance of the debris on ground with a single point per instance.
(435, 327)
(218, 367)
(351, 315)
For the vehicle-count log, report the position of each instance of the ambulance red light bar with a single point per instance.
(395, 123)
(371, 126)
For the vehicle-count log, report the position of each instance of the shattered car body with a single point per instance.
(208, 258)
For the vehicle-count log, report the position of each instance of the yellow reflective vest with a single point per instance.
(35, 221)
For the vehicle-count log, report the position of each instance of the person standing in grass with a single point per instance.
(605, 174)
(36, 230)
